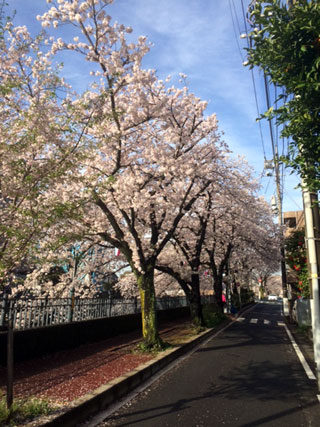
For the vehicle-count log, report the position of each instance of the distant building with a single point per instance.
(293, 220)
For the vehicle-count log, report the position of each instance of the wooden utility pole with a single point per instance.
(312, 233)
(286, 310)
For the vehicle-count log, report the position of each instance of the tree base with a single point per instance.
(199, 328)
(152, 347)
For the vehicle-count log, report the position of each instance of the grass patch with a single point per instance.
(23, 411)
(183, 336)
(212, 316)
(198, 329)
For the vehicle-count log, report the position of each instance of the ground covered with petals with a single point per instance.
(67, 375)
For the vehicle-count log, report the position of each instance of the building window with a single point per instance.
(290, 222)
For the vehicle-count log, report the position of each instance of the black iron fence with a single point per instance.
(27, 313)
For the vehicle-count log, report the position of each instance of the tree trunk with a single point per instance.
(217, 286)
(195, 302)
(192, 292)
(150, 333)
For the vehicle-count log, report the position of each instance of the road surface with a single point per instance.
(248, 375)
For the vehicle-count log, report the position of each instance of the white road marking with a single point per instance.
(254, 321)
(266, 322)
(240, 319)
(280, 323)
(303, 361)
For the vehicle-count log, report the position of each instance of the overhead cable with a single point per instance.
(253, 84)
(234, 29)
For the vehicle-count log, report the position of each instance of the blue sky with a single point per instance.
(197, 38)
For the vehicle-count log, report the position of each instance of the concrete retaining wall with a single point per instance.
(302, 312)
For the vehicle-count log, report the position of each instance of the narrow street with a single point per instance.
(248, 375)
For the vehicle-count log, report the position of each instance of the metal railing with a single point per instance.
(34, 313)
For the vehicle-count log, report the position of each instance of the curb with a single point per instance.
(100, 398)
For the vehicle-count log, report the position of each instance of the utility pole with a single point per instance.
(279, 201)
(312, 233)
(280, 222)
(276, 165)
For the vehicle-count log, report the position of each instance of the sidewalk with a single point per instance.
(66, 375)
(305, 343)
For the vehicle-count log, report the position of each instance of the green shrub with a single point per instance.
(23, 411)
(304, 329)
(212, 315)
(235, 301)
(247, 295)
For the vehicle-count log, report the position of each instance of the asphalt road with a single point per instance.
(249, 375)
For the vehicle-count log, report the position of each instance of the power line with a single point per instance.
(279, 169)
(234, 29)
(276, 127)
(267, 93)
(236, 15)
(258, 113)
(253, 83)
(288, 195)
(267, 186)
(264, 75)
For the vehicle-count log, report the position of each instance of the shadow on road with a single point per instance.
(146, 415)
(246, 381)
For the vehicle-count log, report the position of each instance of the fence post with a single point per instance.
(71, 306)
(10, 361)
(7, 319)
(4, 309)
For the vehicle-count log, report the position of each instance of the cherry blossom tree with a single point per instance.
(152, 151)
(84, 269)
(140, 209)
(182, 258)
(219, 236)
(240, 228)
(252, 264)
(165, 285)
(215, 229)
(132, 162)
(35, 145)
